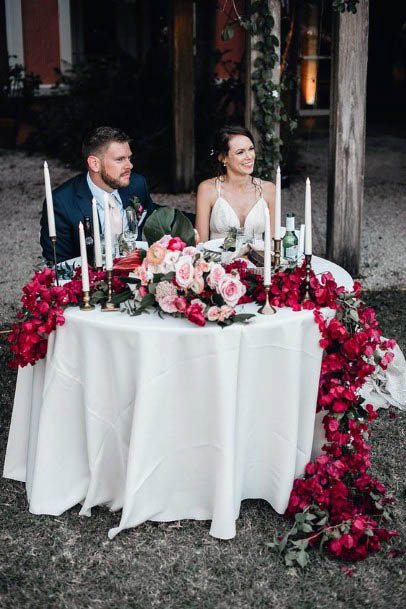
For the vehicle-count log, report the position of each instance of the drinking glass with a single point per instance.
(241, 239)
(131, 234)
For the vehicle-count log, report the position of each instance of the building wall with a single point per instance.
(41, 38)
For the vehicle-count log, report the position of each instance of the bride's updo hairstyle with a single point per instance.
(221, 144)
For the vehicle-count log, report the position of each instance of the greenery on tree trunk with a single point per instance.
(269, 109)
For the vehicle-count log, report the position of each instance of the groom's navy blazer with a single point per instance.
(72, 201)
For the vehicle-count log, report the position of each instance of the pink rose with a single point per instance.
(143, 273)
(202, 266)
(216, 273)
(142, 291)
(168, 304)
(176, 244)
(190, 251)
(184, 272)
(226, 312)
(231, 289)
(198, 285)
(164, 241)
(213, 313)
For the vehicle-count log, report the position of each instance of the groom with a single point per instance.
(107, 154)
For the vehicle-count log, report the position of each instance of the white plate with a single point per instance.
(214, 245)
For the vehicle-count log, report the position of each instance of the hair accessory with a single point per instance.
(211, 152)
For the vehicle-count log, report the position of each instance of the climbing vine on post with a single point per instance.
(269, 107)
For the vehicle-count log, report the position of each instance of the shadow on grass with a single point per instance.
(67, 561)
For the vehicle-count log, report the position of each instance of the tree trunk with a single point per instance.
(183, 94)
(347, 137)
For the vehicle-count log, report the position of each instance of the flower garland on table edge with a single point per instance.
(337, 505)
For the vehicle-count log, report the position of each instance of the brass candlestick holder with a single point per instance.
(277, 253)
(267, 308)
(53, 241)
(86, 306)
(109, 304)
(308, 259)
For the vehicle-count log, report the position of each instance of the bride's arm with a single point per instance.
(203, 209)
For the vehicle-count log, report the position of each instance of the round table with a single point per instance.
(165, 420)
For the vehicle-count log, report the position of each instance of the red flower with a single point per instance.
(176, 244)
(194, 313)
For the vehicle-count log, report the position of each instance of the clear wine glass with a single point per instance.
(131, 234)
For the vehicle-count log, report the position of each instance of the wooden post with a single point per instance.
(347, 137)
(183, 94)
(250, 56)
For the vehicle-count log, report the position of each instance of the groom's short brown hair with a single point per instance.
(97, 140)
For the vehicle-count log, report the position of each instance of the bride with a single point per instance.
(233, 199)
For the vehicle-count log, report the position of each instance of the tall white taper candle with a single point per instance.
(267, 248)
(50, 206)
(278, 197)
(96, 235)
(83, 254)
(308, 219)
(107, 234)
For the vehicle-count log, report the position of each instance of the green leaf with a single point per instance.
(183, 228)
(227, 33)
(147, 301)
(307, 528)
(168, 221)
(159, 224)
(242, 317)
(302, 558)
(122, 296)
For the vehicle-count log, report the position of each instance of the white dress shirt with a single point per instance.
(98, 193)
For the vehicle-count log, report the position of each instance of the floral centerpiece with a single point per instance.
(180, 280)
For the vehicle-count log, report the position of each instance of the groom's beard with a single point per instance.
(115, 183)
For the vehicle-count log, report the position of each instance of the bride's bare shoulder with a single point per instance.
(268, 187)
(207, 189)
(208, 184)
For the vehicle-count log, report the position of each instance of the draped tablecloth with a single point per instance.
(166, 420)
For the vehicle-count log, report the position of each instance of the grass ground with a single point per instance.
(67, 561)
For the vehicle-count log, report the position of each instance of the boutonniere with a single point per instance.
(135, 204)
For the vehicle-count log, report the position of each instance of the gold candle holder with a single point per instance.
(277, 251)
(53, 241)
(308, 259)
(86, 306)
(109, 304)
(267, 308)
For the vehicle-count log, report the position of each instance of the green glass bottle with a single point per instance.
(290, 241)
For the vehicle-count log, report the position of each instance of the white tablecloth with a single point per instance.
(166, 420)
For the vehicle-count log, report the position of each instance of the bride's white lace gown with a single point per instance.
(223, 217)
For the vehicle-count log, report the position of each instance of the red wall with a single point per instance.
(225, 13)
(41, 38)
